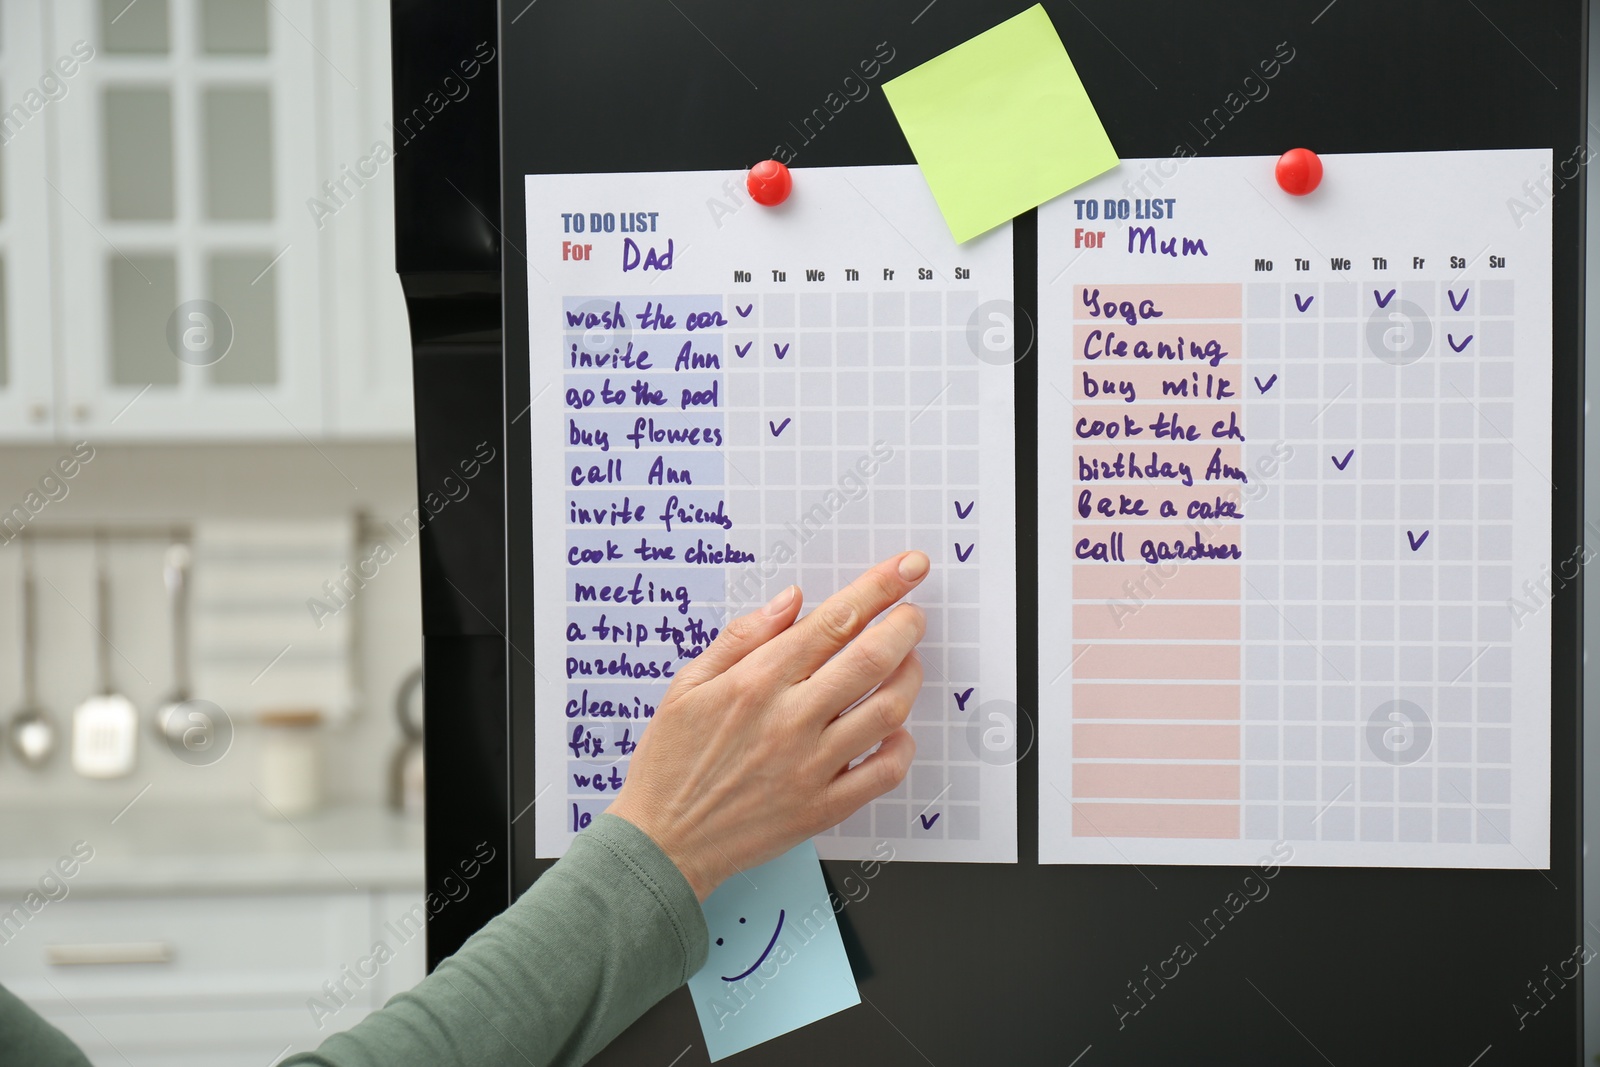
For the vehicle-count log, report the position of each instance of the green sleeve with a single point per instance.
(609, 930)
(27, 1038)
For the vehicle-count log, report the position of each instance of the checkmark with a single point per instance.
(1270, 382)
(962, 698)
(927, 821)
(1416, 542)
(780, 350)
(744, 312)
(1457, 305)
(743, 349)
(1345, 462)
(963, 554)
(1302, 304)
(1465, 341)
(963, 512)
(1383, 301)
(778, 427)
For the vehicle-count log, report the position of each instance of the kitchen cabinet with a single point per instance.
(215, 979)
(206, 266)
(370, 388)
(27, 366)
(204, 934)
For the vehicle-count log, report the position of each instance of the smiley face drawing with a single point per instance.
(774, 958)
(748, 971)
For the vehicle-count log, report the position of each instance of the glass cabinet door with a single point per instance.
(31, 87)
(188, 146)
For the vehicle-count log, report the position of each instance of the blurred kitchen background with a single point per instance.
(207, 479)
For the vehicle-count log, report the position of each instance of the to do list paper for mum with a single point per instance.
(728, 398)
(1291, 575)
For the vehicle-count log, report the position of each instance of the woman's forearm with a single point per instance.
(604, 934)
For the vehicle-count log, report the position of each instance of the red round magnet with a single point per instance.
(769, 183)
(1299, 171)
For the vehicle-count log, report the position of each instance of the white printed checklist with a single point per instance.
(729, 398)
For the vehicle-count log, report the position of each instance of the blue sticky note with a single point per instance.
(776, 961)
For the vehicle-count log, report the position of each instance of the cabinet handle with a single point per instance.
(37, 412)
(93, 955)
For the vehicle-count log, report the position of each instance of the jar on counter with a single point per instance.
(291, 762)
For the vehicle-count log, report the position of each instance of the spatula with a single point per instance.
(105, 728)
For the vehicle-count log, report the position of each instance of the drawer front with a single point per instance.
(215, 1038)
(399, 918)
(141, 949)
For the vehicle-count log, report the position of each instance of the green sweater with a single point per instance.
(608, 931)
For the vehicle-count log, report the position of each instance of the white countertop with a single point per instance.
(155, 849)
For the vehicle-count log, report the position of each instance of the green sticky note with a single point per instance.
(1000, 124)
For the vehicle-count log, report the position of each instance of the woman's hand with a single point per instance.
(748, 754)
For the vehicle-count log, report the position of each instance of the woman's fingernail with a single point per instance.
(913, 565)
(779, 602)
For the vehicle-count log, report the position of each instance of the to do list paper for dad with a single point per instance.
(728, 398)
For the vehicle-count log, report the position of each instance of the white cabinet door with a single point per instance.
(400, 924)
(180, 979)
(31, 90)
(371, 394)
(187, 149)
(180, 1037)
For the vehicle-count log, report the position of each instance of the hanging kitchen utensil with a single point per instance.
(406, 775)
(170, 722)
(105, 728)
(32, 730)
